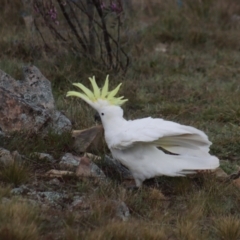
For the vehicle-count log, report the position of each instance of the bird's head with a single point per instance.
(102, 100)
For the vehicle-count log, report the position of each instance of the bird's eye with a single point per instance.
(102, 114)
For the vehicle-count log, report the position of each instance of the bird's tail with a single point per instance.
(183, 164)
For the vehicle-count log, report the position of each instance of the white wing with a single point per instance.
(174, 137)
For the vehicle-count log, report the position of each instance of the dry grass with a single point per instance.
(228, 227)
(130, 230)
(18, 220)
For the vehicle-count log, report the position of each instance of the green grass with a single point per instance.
(196, 82)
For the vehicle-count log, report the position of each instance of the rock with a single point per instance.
(16, 114)
(79, 203)
(92, 156)
(87, 168)
(43, 156)
(16, 156)
(58, 173)
(88, 140)
(236, 182)
(52, 197)
(68, 161)
(220, 174)
(29, 104)
(48, 199)
(122, 170)
(6, 157)
(20, 190)
(235, 18)
(2, 134)
(122, 211)
(161, 47)
(54, 181)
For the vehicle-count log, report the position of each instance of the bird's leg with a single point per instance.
(138, 182)
(130, 184)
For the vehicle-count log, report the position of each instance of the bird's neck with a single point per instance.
(112, 128)
(113, 124)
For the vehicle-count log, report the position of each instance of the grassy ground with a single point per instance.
(195, 82)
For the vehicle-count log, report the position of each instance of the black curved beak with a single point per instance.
(97, 118)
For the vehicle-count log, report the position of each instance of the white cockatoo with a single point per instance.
(148, 147)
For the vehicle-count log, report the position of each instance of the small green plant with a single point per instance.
(229, 167)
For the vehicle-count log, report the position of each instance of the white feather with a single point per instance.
(135, 144)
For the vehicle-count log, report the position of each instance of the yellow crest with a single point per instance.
(98, 95)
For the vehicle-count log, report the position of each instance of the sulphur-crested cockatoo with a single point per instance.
(148, 147)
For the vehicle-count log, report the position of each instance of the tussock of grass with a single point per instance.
(18, 221)
(188, 230)
(228, 227)
(14, 173)
(122, 231)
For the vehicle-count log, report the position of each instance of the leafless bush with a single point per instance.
(91, 28)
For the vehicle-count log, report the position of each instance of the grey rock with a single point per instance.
(70, 162)
(43, 156)
(48, 198)
(122, 170)
(87, 168)
(29, 104)
(235, 18)
(76, 202)
(60, 123)
(35, 89)
(5, 156)
(79, 204)
(2, 134)
(52, 197)
(17, 157)
(16, 114)
(122, 211)
(54, 181)
(96, 171)
(20, 190)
